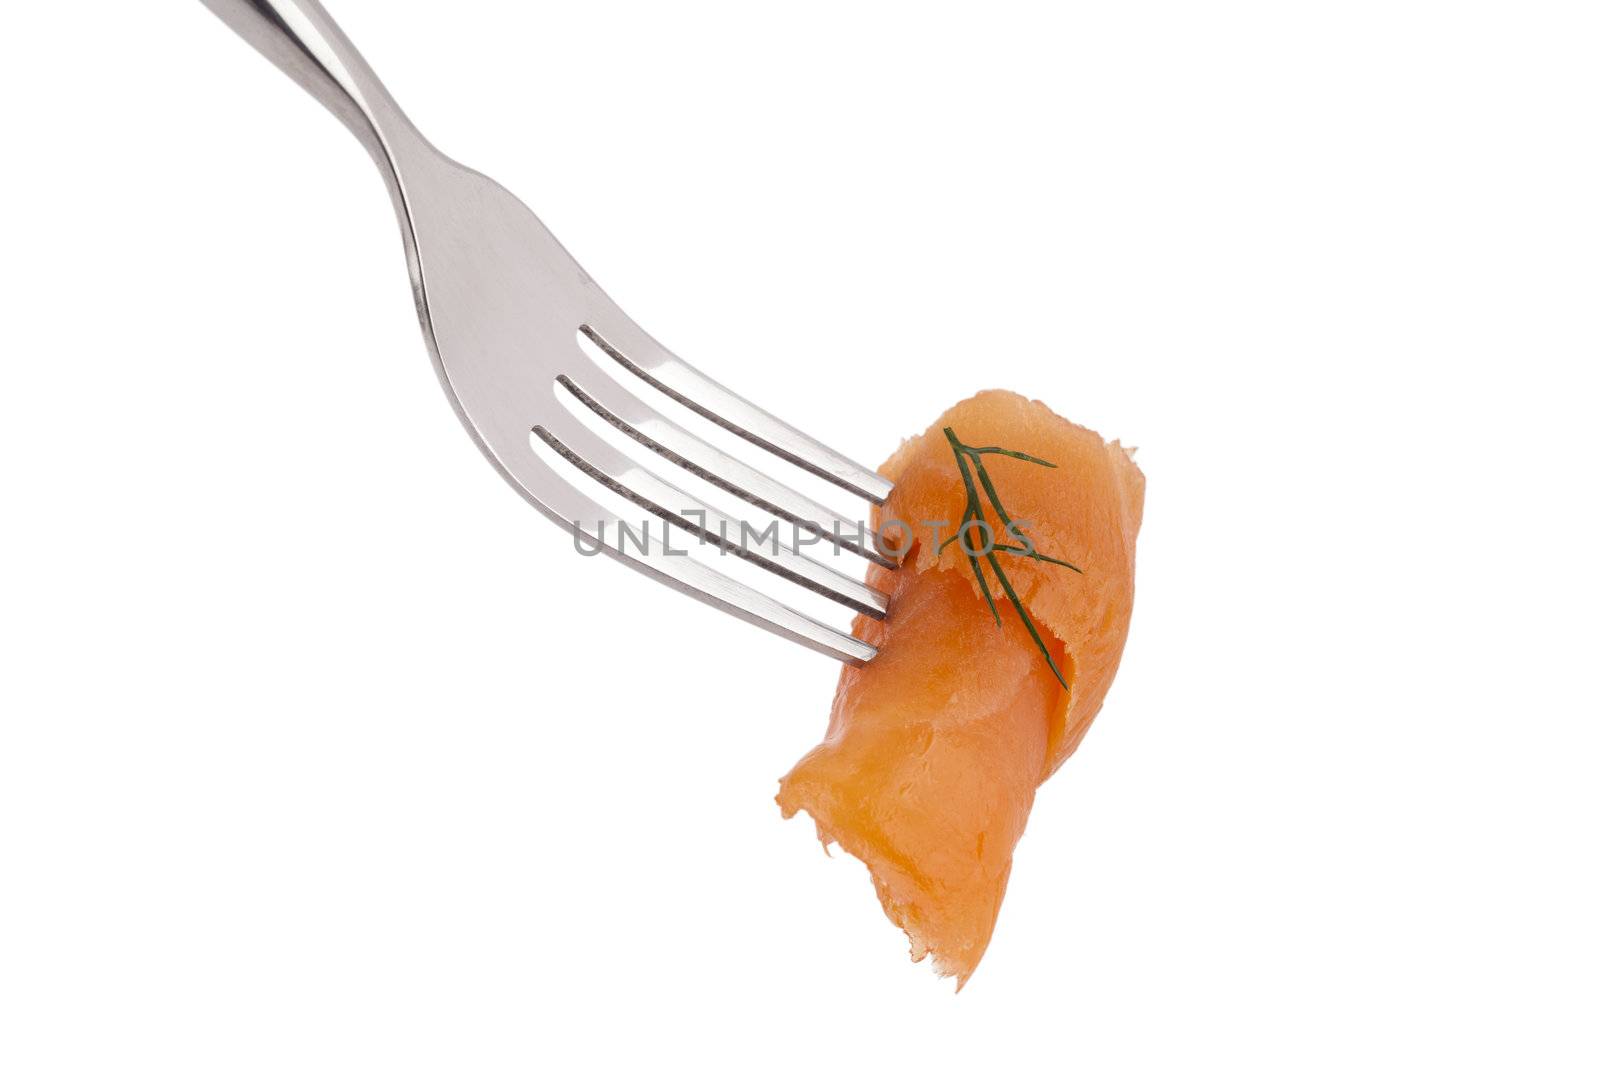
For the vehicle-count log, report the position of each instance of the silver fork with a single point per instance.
(503, 305)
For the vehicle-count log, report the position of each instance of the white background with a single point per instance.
(317, 745)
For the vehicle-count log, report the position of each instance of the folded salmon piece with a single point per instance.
(935, 748)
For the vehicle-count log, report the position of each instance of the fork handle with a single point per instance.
(302, 39)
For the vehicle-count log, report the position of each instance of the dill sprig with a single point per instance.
(969, 461)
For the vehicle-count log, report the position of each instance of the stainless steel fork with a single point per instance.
(503, 307)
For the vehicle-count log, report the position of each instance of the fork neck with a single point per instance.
(303, 41)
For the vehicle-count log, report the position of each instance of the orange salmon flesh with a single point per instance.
(935, 748)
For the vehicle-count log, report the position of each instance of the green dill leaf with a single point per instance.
(973, 552)
(1013, 453)
(970, 513)
(1027, 620)
(983, 584)
(973, 511)
(1018, 550)
(994, 497)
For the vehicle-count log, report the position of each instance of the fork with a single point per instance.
(503, 307)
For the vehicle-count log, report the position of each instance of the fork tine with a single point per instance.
(617, 472)
(608, 399)
(636, 350)
(568, 506)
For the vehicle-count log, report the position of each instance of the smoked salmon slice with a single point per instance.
(935, 748)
